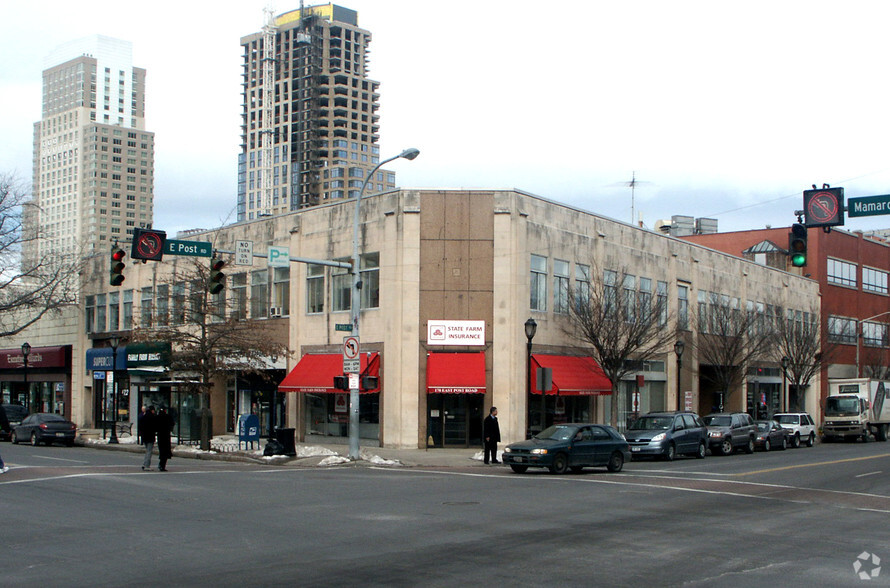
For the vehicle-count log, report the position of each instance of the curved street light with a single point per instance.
(355, 302)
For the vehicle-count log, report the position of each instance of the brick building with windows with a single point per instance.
(852, 271)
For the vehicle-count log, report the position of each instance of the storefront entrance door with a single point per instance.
(455, 420)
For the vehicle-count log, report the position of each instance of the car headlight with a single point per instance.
(659, 437)
(539, 451)
(507, 450)
(715, 434)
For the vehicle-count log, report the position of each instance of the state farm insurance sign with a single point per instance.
(455, 333)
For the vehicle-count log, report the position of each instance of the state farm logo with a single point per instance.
(437, 333)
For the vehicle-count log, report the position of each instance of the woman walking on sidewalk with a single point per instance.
(147, 429)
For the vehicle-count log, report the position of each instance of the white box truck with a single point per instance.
(856, 408)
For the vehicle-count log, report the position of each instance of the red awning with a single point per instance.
(455, 373)
(315, 373)
(572, 376)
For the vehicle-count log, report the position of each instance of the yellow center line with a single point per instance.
(810, 465)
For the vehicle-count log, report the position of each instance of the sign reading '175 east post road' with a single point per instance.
(455, 332)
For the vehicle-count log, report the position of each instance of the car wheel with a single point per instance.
(726, 446)
(616, 462)
(560, 464)
(811, 440)
(749, 448)
(519, 469)
(795, 442)
(14, 439)
(702, 450)
(784, 443)
(34, 440)
(766, 445)
(670, 452)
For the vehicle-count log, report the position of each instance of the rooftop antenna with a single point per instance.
(632, 184)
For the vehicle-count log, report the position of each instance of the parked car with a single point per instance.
(45, 427)
(770, 435)
(800, 425)
(667, 434)
(14, 414)
(728, 431)
(569, 446)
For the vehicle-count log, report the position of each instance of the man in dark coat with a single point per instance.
(4, 424)
(491, 434)
(147, 429)
(164, 428)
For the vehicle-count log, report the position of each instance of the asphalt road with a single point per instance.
(84, 517)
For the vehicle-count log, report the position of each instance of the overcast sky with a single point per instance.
(722, 110)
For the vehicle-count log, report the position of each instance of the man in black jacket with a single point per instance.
(491, 434)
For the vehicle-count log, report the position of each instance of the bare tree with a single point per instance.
(874, 363)
(35, 285)
(205, 338)
(799, 338)
(729, 340)
(622, 325)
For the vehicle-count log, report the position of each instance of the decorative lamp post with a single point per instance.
(531, 327)
(26, 351)
(113, 342)
(785, 361)
(679, 346)
(355, 301)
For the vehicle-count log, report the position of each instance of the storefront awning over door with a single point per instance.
(455, 373)
(572, 376)
(315, 372)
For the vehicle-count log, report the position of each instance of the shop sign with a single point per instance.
(441, 332)
(155, 354)
(39, 357)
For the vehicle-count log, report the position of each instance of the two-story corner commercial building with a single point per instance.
(449, 279)
(852, 271)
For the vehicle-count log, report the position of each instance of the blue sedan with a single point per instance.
(570, 446)
(44, 427)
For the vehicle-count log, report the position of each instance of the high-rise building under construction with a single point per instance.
(309, 130)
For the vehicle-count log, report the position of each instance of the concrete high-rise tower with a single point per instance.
(93, 159)
(309, 128)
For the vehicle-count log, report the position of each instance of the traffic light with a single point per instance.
(117, 265)
(797, 244)
(217, 278)
(341, 383)
(370, 383)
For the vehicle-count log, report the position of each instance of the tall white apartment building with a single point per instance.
(309, 131)
(93, 159)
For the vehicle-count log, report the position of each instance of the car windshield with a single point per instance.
(763, 427)
(718, 421)
(787, 419)
(557, 433)
(652, 423)
(838, 406)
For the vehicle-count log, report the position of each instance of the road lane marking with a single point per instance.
(869, 474)
(59, 459)
(810, 465)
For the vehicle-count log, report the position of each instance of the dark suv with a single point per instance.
(666, 434)
(15, 414)
(728, 431)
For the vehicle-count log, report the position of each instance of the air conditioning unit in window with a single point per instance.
(275, 311)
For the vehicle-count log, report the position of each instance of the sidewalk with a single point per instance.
(226, 448)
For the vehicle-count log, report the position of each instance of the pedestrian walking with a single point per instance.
(4, 425)
(491, 433)
(164, 429)
(148, 431)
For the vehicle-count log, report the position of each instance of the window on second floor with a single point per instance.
(842, 330)
(874, 280)
(842, 273)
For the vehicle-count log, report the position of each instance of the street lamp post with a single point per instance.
(26, 351)
(531, 327)
(785, 362)
(355, 301)
(679, 346)
(859, 337)
(113, 342)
